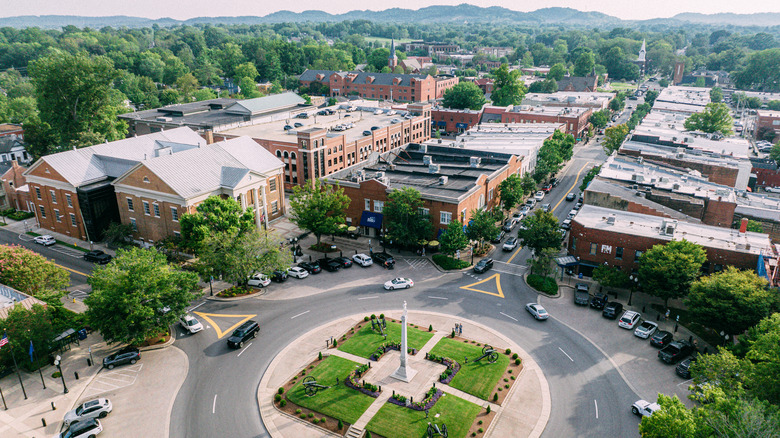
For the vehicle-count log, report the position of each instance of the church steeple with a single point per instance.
(392, 60)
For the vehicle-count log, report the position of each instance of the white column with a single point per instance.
(265, 205)
(404, 371)
(256, 196)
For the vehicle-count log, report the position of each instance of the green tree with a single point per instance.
(672, 420)
(651, 96)
(246, 70)
(557, 72)
(235, 255)
(403, 218)
(528, 184)
(507, 88)
(187, 84)
(613, 138)
(138, 295)
(248, 88)
(24, 325)
(617, 103)
(584, 64)
(760, 71)
(204, 94)
(510, 191)
(118, 235)
(464, 95)
(541, 232)
(599, 119)
(546, 86)
(716, 117)
(611, 276)
(541, 263)
(454, 239)
(764, 356)
(318, 207)
(212, 216)
(755, 226)
(482, 226)
(30, 272)
(716, 94)
(667, 271)
(589, 177)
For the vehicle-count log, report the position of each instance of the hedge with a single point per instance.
(543, 284)
(448, 263)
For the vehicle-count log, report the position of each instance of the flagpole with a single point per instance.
(18, 374)
(1, 395)
(32, 354)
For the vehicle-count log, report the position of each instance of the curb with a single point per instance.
(538, 292)
(242, 297)
(167, 343)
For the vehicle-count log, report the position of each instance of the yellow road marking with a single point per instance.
(572, 186)
(520, 248)
(73, 270)
(498, 285)
(220, 332)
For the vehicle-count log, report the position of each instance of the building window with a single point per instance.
(57, 215)
(573, 243)
(423, 211)
(619, 253)
(38, 192)
(53, 196)
(175, 214)
(378, 206)
(637, 255)
(481, 201)
(43, 211)
(274, 207)
(146, 208)
(593, 247)
(490, 194)
(445, 217)
(130, 204)
(156, 210)
(73, 220)
(367, 204)
(272, 184)
(133, 224)
(68, 200)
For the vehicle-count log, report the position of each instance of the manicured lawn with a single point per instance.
(339, 402)
(620, 86)
(393, 421)
(365, 341)
(475, 378)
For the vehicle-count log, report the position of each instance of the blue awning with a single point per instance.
(373, 220)
(442, 124)
(462, 125)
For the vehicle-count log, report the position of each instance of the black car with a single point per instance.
(554, 182)
(298, 124)
(322, 112)
(384, 259)
(499, 236)
(675, 351)
(612, 310)
(303, 116)
(483, 265)
(86, 428)
(311, 267)
(345, 262)
(683, 368)
(129, 355)
(245, 331)
(330, 265)
(279, 276)
(581, 295)
(660, 339)
(366, 133)
(599, 300)
(97, 256)
(287, 127)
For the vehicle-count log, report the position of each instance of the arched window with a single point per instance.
(292, 155)
(279, 153)
(286, 155)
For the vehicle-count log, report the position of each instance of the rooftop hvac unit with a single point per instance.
(380, 175)
(164, 119)
(427, 160)
(433, 168)
(611, 220)
(475, 161)
(676, 187)
(443, 180)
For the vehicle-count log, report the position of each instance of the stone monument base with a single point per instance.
(404, 375)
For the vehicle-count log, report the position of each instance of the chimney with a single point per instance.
(743, 225)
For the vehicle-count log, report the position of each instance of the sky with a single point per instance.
(184, 9)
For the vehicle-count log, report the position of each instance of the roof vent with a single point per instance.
(433, 168)
(427, 160)
(443, 180)
(611, 219)
(380, 175)
(475, 161)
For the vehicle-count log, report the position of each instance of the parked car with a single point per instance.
(554, 182)
(518, 216)
(537, 311)
(45, 240)
(530, 203)
(539, 196)
(581, 294)
(279, 276)
(660, 338)
(302, 116)
(499, 236)
(570, 197)
(297, 272)
(577, 206)
(572, 213)
(377, 112)
(330, 265)
(189, 323)
(82, 429)
(629, 319)
(97, 256)
(510, 244)
(287, 127)
(97, 408)
(599, 300)
(258, 280)
(245, 331)
(546, 188)
(644, 408)
(683, 369)
(344, 262)
(366, 133)
(298, 124)
(322, 112)
(310, 267)
(508, 225)
(546, 207)
(374, 128)
(362, 260)
(483, 265)
(524, 209)
(384, 259)
(391, 112)
(675, 351)
(612, 310)
(645, 329)
(566, 224)
(129, 355)
(399, 283)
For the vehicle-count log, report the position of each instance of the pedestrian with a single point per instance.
(667, 314)
(423, 252)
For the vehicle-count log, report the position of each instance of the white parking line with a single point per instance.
(566, 354)
(685, 382)
(214, 404)
(597, 408)
(204, 302)
(368, 298)
(513, 319)
(242, 351)
(302, 313)
(438, 298)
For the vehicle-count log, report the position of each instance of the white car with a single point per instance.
(772, 189)
(539, 196)
(391, 113)
(510, 244)
(83, 429)
(644, 408)
(98, 408)
(377, 112)
(399, 283)
(629, 319)
(297, 272)
(190, 324)
(537, 311)
(646, 329)
(259, 280)
(45, 240)
(572, 214)
(362, 260)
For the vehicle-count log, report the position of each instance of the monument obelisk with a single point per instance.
(404, 372)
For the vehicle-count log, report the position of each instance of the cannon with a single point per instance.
(487, 352)
(311, 387)
(434, 430)
(379, 325)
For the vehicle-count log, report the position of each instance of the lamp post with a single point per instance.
(634, 285)
(57, 361)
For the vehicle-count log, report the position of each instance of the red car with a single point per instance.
(547, 188)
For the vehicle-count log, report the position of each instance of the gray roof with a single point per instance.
(621, 191)
(362, 77)
(265, 104)
(578, 83)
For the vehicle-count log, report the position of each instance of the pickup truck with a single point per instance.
(644, 408)
(97, 256)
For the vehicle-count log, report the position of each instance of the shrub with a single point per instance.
(365, 318)
(495, 396)
(322, 421)
(507, 351)
(381, 316)
(488, 409)
(341, 425)
(509, 371)
(480, 422)
(448, 263)
(311, 415)
(512, 377)
(373, 316)
(297, 411)
(56, 375)
(335, 343)
(452, 334)
(319, 356)
(545, 285)
(480, 430)
(315, 421)
(430, 328)
(277, 398)
(303, 416)
(506, 386)
(368, 434)
(283, 403)
(514, 356)
(280, 390)
(517, 361)
(506, 380)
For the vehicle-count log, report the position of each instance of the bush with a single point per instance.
(514, 356)
(488, 409)
(335, 343)
(277, 398)
(56, 375)
(452, 334)
(311, 415)
(480, 422)
(341, 425)
(280, 390)
(517, 361)
(381, 316)
(430, 328)
(508, 351)
(545, 285)
(480, 430)
(365, 318)
(319, 356)
(297, 412)
(315, 421)
(448, 263)
(495, 396)
(283, 403)
(303, 416)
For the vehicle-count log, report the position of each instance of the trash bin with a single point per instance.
(579, 275)
(82, 334)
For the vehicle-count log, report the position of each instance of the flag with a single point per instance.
(31, 351)
(3, 340)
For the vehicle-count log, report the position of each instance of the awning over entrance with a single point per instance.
(462, 125)
(566, 261)
(442, 124)
(373, 220)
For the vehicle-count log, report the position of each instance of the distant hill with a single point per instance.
(463, 13)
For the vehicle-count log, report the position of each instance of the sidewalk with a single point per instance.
(22, 227)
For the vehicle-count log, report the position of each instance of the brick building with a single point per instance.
(14, 191)
(383, 86)
(579, 84)
(575, 118)
(618, 238)
(454, 120)
(452, 183)
(597, 101)
(768, 121)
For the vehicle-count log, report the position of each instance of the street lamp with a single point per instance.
(634, 285)
(57, 361)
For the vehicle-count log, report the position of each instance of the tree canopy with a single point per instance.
(30, 272)
(613, 138)
(402, 217)
(541, 231)
(454, 238)
(318, 207)
(510, 190)
(235, 256)
(464, 95)
(667, 271)
(507, 88)
(482, 226)
(213, 216)
(716, 117)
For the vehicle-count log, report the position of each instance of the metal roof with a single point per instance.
(265, 104)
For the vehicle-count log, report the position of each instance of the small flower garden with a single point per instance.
(431, 397)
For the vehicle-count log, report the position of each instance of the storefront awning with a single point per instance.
(462, 125)
(373, 220)
(566, 261)
(442, 124)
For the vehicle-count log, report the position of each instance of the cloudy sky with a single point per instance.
(183, 9)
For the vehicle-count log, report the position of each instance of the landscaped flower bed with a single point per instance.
(353, 381)
(384, 348)
(431, 397)
(452, 367)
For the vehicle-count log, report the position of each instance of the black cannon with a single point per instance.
(434, 430)
(487, 352)
(310, 386)
(379, 325)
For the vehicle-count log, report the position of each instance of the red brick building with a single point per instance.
(383, 86)
(453, 120)
(14, 191)
(575, 118)
(768, 121)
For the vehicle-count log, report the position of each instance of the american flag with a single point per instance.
(3, 340)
